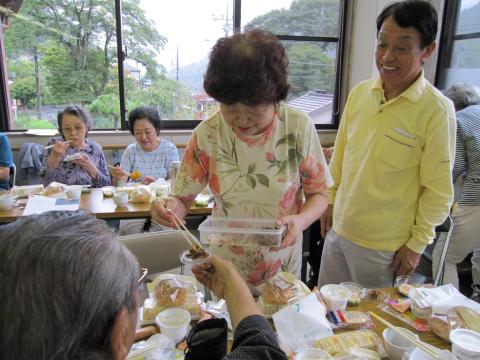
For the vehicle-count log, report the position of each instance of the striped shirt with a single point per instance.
(467, 156)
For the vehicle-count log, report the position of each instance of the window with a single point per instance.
(64, 52)
(460, 50)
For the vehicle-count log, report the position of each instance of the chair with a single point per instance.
(13, 174)
(157, 251)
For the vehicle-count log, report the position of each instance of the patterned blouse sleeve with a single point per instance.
(48, 174)
(127, 158)
(103, 177)
(314, 173)
(194, 169)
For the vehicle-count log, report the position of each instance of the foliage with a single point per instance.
(24, 121)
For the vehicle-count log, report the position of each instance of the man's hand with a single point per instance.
(295, 224)
(326, 221)
(405, 261)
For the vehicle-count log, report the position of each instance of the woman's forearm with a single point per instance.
(314, 207)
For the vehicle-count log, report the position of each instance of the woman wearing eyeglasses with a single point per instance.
(74, 159)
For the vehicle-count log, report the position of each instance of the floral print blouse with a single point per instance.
(259, 176)
(72, 174)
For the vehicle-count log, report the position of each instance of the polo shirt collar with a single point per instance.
(413, 93)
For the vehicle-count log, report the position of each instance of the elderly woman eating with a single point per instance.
(73, 159)
(259, 156)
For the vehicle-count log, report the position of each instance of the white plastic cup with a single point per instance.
(465, 344)
(396, 344)
(74, 192)
(173, 323)
(120, 198)
(6, 202)
(335, 296)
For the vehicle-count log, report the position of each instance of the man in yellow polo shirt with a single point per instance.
(393, 158)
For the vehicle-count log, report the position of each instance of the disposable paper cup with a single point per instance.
(120, 198)
(312, 354)
(173, 323)
(335, 296)
(6, 202)
(396, 344)
(465, 344)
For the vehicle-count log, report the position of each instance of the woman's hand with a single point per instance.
(86, 163)
(148, 180)
(58, 150)
(295, 224)
(326, 221)
(163, 211)
(119, 175)
(217, 275)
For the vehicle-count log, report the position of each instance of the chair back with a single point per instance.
(13, 174)
(157, 251)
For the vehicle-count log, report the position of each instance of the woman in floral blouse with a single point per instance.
(74, 159)
(259, 156)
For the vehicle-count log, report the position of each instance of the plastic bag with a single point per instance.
(351, 320)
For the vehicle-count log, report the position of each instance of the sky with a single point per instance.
(193, 26)
(466, 4)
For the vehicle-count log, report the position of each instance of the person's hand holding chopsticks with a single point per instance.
(163, 211)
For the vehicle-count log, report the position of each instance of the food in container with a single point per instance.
(194, 256)
(173, 323)
(465, 344)
(278, 291)
(56, 190)
(470, 318)
(335, 296)
(404, 283)
(141, 194)
(357, 292)
(72, 157)
(6, 201)
(27, 190)
(202, 200)
(108, 191)
(241, 231)
(337, 345)
(376, 295)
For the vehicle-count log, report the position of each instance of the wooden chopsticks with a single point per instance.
(192, 240)
(417, 342)
(51, 146)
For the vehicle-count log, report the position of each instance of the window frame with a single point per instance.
(189, 124)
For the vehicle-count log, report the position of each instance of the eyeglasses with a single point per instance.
(143, 274)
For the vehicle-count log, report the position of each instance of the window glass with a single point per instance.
(59, 53)
(468, 18)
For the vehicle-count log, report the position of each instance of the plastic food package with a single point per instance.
(419, 304)
(160, 188)
(357, 292)
(27, 190)
(169, 290)
(442, 325)
(56, 190)
(338, 345)
(241, 231)
(351, 320)
(278, 291)
(141, 194)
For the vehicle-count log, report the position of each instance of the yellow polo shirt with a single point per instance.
(392, 166)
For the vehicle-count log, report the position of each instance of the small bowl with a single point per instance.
(74, 191)
(412, 279)
(120, 199)
(6, 201)
(312, 354)
(357, 292)
(396, 344)
(465, 344)
(173, 323)
(108, 191)
(187, 260)
(335, 296)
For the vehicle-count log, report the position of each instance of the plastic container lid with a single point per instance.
(411, 279)
(241, 231)
(312, 354)
(466, 339)
(355, 289)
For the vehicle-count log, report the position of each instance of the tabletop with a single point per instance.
(102, 207)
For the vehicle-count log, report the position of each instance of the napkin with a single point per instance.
(445, 297)
(301, 322)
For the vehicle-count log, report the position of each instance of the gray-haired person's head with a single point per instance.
(463, 95)
(77, 111)
(64, 279)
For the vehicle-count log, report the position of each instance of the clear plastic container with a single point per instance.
(241, 232)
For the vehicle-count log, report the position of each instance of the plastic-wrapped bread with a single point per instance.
(341, 343)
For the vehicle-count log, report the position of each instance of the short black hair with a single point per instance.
(145, 113)
(416, 13)
(250, 68)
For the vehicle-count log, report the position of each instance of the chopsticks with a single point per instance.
(51, 146)
(193, 241)
(417, 342)
(131, 174)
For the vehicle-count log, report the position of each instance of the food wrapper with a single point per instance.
(278, 291)
(160, 188)
(337, 345)
(351, 320)
(56, 190)
(141, 194)
(27, 190)
(170, 290)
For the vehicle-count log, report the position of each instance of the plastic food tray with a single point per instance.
(241, 232)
